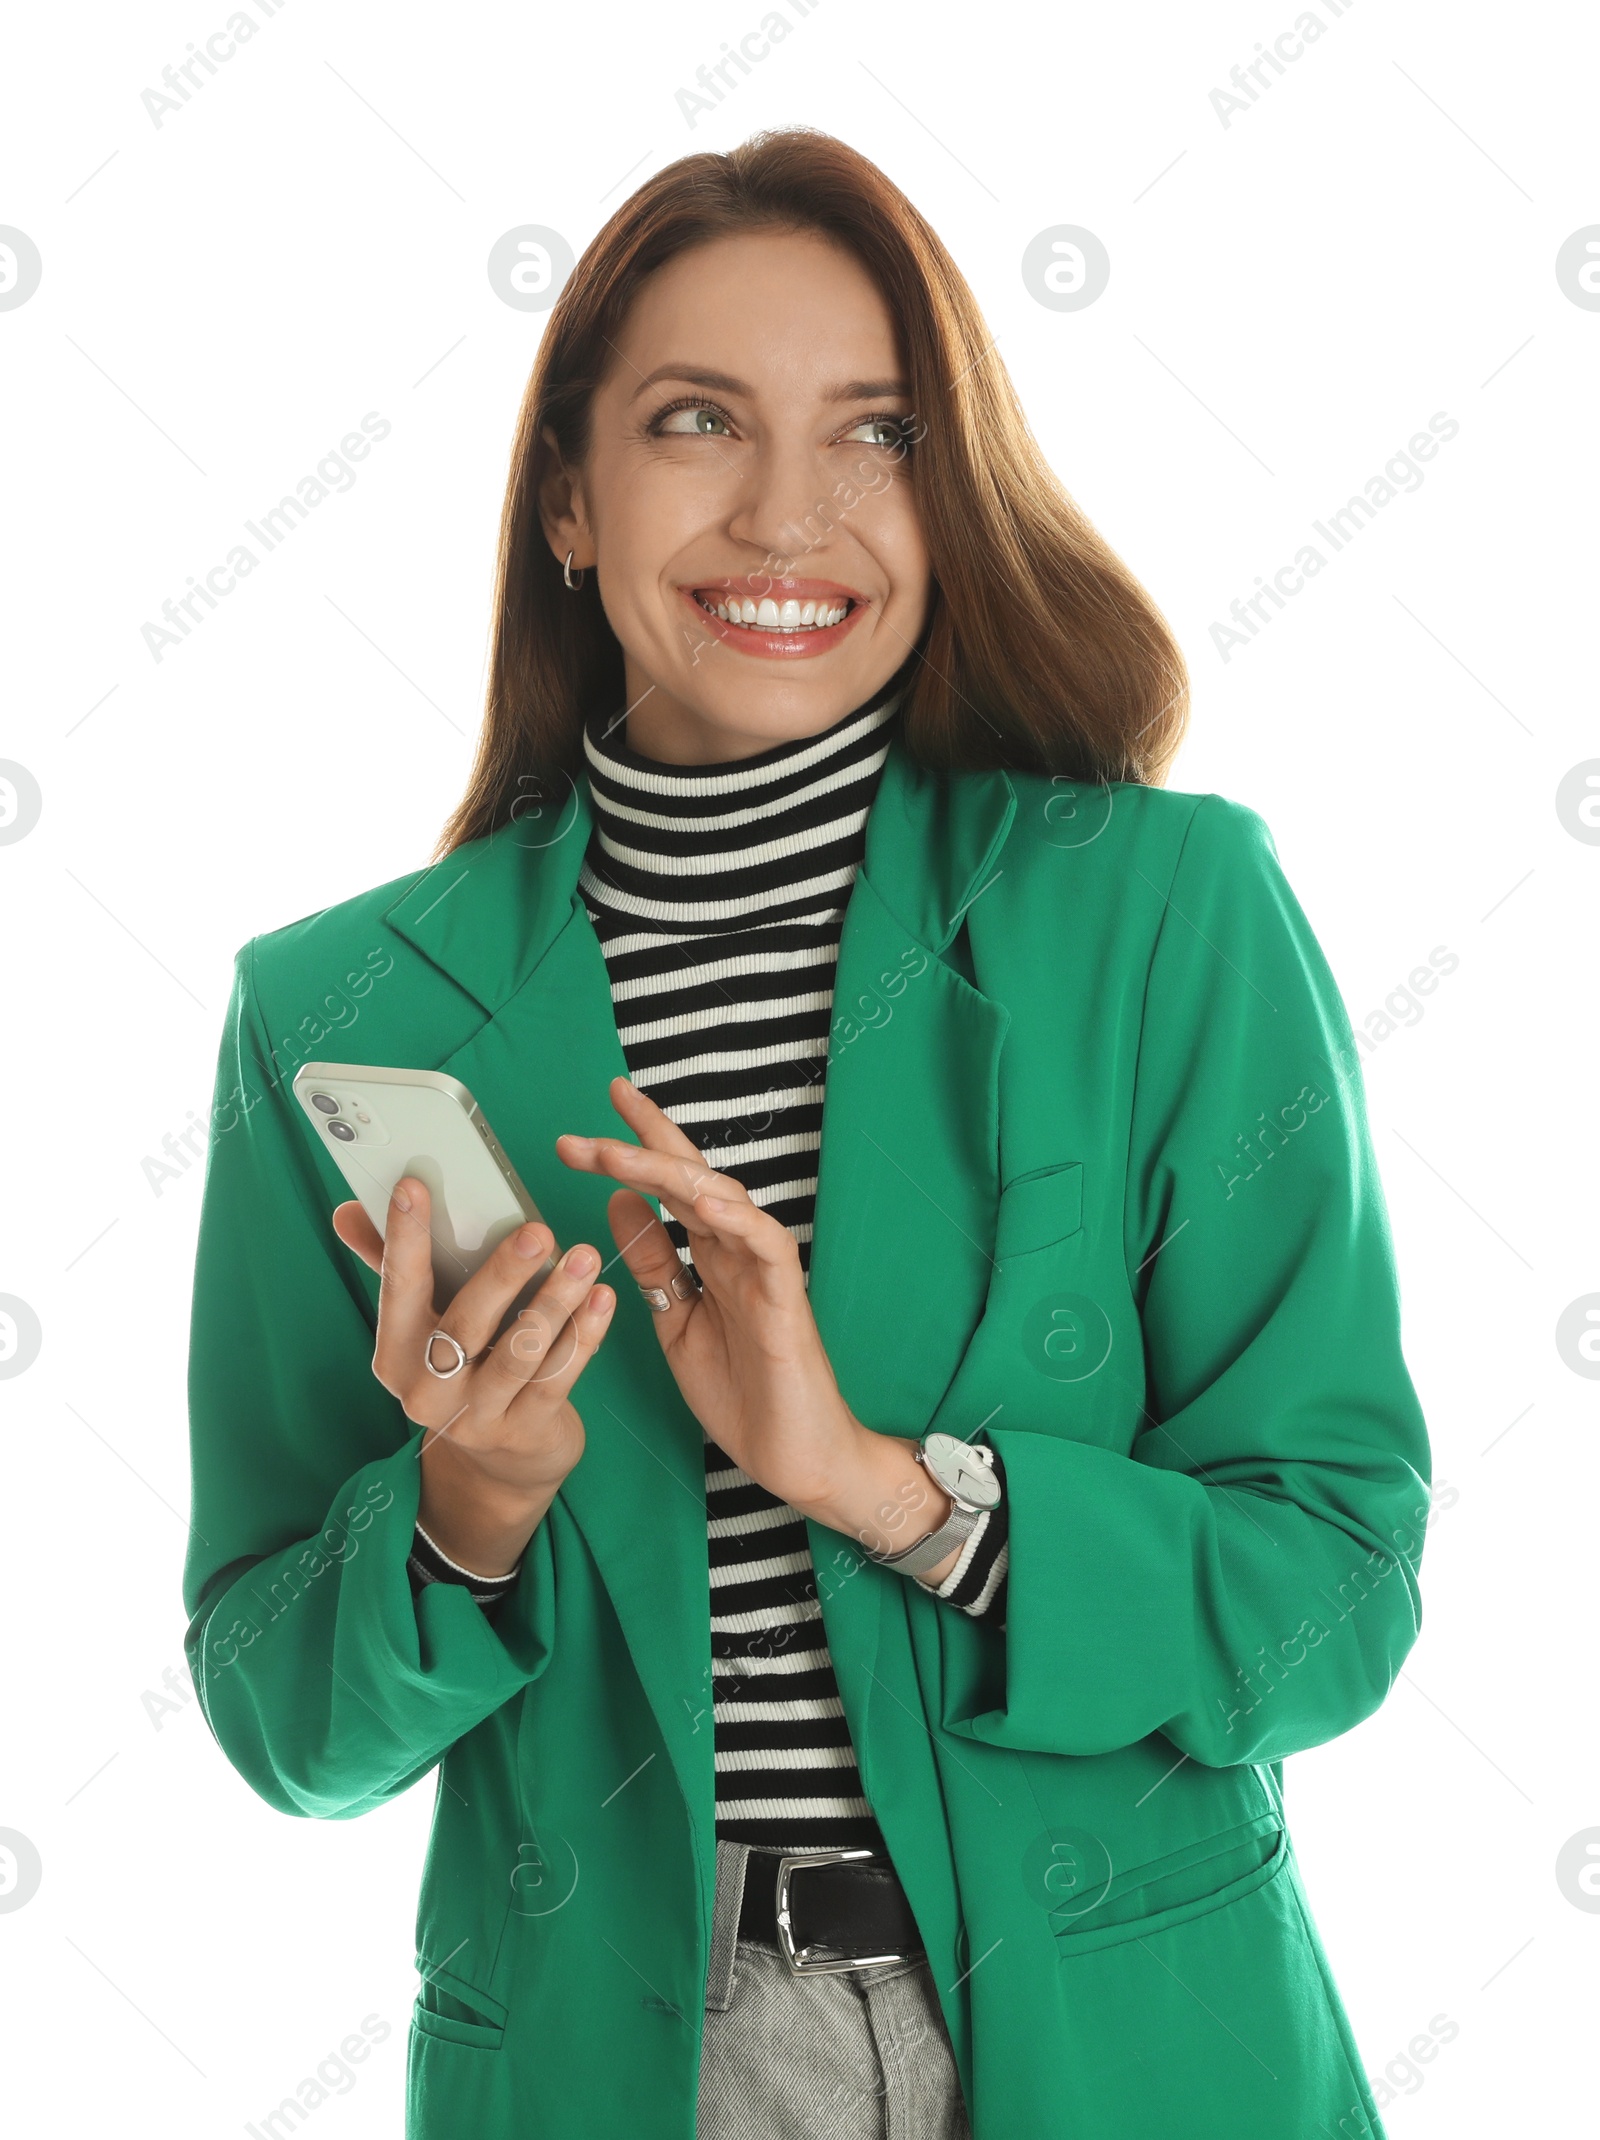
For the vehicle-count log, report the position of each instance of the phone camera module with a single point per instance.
(326, 1102)
(343, 1131)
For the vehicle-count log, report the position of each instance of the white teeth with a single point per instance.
(768, 615)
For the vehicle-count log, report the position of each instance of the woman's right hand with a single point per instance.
(503, 1434)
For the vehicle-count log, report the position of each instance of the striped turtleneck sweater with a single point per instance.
(718, 895)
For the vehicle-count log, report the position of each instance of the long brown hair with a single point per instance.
(1042, 652)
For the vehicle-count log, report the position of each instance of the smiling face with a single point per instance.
(747, 498)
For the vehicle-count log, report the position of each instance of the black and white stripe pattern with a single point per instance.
(431, 1564)
(718, 895)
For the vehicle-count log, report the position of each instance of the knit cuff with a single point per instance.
(428, 1564)
(976, 1585)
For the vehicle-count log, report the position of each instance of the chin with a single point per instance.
(781, 707)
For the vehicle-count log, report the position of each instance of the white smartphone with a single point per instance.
(377, 1124)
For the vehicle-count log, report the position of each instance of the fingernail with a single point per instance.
(580, 1261)
(527, 1243)
(400, 1197)
(587, 1142)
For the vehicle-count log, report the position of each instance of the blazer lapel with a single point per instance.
(908, 1184)
(505, 919)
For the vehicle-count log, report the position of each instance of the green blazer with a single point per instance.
(1095, 1175)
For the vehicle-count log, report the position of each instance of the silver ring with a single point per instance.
(656, 1298)
(463, 1358)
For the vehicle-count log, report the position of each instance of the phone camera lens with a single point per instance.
(326, 1101)
(343, 1131)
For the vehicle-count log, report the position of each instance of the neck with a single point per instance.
(735, 843)
(659, 727)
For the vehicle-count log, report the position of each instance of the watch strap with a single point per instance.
(927, 1553)
(957, 1528)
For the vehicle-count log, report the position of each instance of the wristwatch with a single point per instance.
(966, 1472)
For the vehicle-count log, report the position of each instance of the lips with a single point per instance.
(784, 618)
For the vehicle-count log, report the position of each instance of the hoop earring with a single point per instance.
(566, 573)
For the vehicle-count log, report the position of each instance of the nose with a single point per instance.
(786, 506)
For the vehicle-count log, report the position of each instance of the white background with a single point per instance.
(1292, 296)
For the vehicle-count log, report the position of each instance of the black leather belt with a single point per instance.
(828, 1910)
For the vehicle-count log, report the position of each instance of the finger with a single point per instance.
(357, 1232)
(582, 1337)
(668, 1165)
(405, 1299)
(653, 1125)
(714, 1210)
(473, 1316)
(742, 1229)
(540, 1343)
(653, 1261)
(665, 1176)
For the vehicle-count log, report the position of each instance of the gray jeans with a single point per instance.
(862, 2055)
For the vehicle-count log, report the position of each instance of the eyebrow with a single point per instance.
(722, 383)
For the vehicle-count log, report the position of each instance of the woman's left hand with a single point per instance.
(746, 1351)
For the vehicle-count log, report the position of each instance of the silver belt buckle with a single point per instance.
(796, 1957)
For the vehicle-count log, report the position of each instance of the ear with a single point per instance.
(563, 512)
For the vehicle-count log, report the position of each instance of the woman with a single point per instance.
(1003, 1454)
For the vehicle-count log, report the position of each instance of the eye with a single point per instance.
(890, 431)
(691, 419)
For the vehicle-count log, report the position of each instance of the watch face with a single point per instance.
(961, 1471)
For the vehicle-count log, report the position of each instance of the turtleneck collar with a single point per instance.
(607, 750)
(737, 844)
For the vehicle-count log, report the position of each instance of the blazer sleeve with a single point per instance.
(1245, 1580)
(327, 1681)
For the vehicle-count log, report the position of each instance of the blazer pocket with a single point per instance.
(453, 2011)
(1190, 1884)
(1039, 1209)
